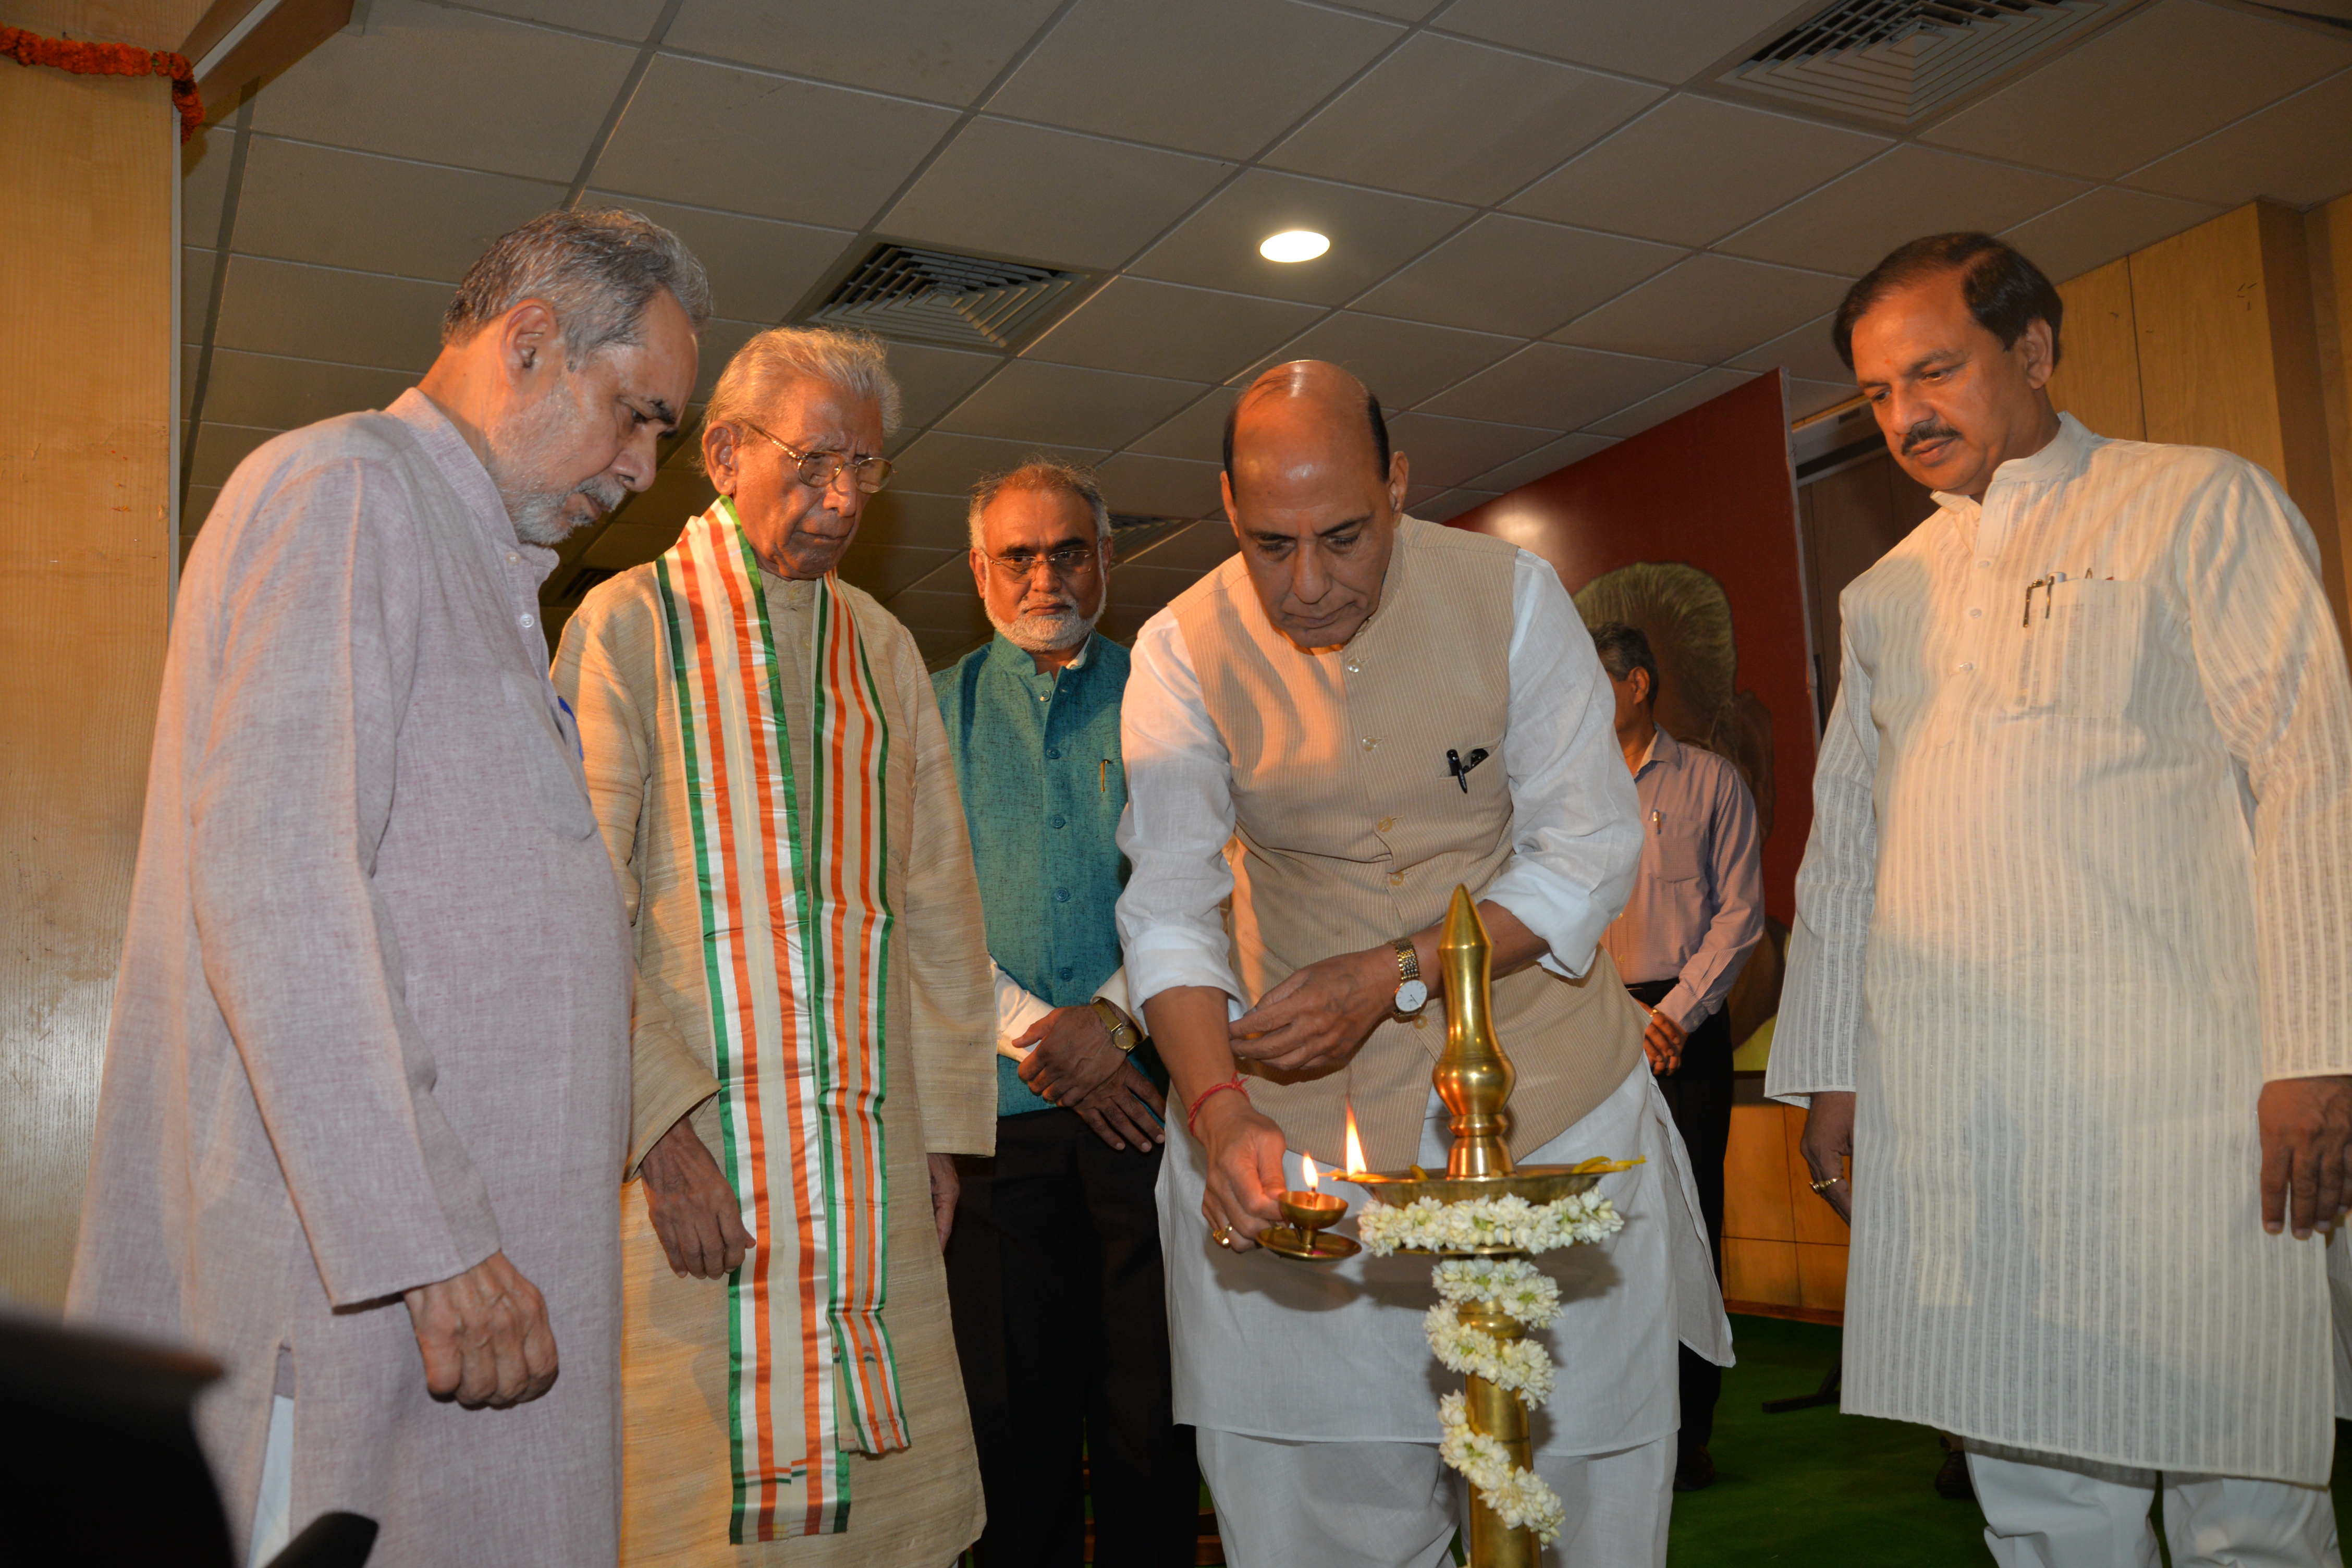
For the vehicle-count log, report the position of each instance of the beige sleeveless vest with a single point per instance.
(1349, 832)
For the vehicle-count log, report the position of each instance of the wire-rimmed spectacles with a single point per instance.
(819, 470)
(1064, 561)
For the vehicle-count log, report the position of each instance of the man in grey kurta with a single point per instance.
(370, 1044)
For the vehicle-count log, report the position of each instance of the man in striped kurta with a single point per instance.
(2069, 979)
(814, 1022)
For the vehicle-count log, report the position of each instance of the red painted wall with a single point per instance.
(1711, 489)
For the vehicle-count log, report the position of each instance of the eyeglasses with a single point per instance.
(819, 470)
(1064, 561)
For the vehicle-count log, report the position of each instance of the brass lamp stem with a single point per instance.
(1473, 1077)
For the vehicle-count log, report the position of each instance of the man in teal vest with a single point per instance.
(1054, 1270)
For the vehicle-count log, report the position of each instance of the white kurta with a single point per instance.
(2080, 881)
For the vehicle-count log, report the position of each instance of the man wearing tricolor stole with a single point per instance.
(813, 1029)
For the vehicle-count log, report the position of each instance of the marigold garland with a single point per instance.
(30, 48)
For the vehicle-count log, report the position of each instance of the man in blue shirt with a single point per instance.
(1054, 1270)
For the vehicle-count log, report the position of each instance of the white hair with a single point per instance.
(853, 362)
(1050, 476)
(597, 270)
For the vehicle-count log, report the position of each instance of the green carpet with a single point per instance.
(1814, 1486)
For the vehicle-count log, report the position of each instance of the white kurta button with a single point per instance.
(525, 619)
(1964, 666)
(1353, 667)
(1984, 565)
(1371, 741)
(1974, 614)
(512, 559)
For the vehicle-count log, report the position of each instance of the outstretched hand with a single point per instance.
(1245, 1186)
(484, 1335)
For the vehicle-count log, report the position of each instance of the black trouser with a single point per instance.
(1061, 1322)
(1699, 1094)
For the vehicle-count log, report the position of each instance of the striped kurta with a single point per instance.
(2080, 882)
(921, 1504)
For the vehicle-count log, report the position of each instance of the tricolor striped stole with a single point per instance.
(796, 944)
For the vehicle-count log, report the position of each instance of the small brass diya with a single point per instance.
(1310, 1214)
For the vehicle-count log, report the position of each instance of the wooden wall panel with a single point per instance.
(2203, 322)
(2328, 245)
(85, 552)
(2099, 360)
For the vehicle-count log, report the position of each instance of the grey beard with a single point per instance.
(1048, 634)
(535, 507)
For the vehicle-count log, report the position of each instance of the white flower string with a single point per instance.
(1519, 1498)
(1522, 1367)
(1493, 1224)
(1512, 1285)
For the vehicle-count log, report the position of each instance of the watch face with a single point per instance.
(1411, 995)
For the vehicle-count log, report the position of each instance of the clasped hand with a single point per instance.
(1320, 1015)
(1073, 1063)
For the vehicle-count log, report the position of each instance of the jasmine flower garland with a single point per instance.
(1519, 1498)
(1507, 1223)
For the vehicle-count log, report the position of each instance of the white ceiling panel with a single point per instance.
(204, 182)
(1458, 121)
(1451, 504)
(373, 214)
(1198, 432)
(941, 463)
(627, 19)
(1681, 399)
(1812, 397)
(1165, 329)
(1372, 234)
(903, 519)
(280, 393)
(1668, 43)
(883, 570)
(317, 312)
(1147, 587)
(1558, 387)
(498, 95)
(740, 141)
(677, 494)
(1807, 352)
(1545, 459)
(720, 341)
(1402, 361)
(1220, 77)
(1197, 549)
(759, 267)
(1031, 401)
(1448, 452)
(1692, 170)
(1048, 196)
(2094, 229)
(957, 615)
(943, 50)
(2298, 151)
(1705, 309)
(196, 268)
(1403, 10)
(624, 544)
(220, 448)
(1847, 225)
(1516, 277)
(931, 380)
(1144, 486)
(2162, 76)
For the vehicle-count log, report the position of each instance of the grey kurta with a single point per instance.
(2080, 882)
(373, 1019)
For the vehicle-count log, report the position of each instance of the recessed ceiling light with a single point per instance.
(1293, 244)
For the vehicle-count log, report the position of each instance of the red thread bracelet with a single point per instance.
(1193, 1114)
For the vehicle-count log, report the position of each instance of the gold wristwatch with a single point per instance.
(1118, 1025)
(1412, 993)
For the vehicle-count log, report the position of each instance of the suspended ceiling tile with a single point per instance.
(943, 50)
(1136, 324)
(1402, 362)
(1812, 397)
(759, 267)
(931, 380)
(220, 448)
(2161, 77)
(1403, 10)
(374, 214)
(902, 519)
(1806, 352)
(194, 508)
(191, 358)
(715, 136)
(720, 339)
(931, 610)
(1372, 234)
(1705, 309)
(451, 87)
(2297, 151)
(1557, 386)
(941, 649)
(1197, 432)
(1516, 277)
(1028, 400)
(2094, 229)
(203, 183)
(1447, 452)
(1544, 460)
(1048, 196)
(676, 495)
(1693, 170)
(196, 268)
(1198, 549)
(883, 570)
(1451, 504)
(1850, 224)
(1220, 77)
(941, 463)
(1145, 486)
(1668, 43)
(1689, 395)
(629, 20)
(318, 312)
(283, 393)
(1458, 122)
(1147, 588)
(627, 544)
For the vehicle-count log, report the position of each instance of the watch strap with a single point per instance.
(1122, 1029)
(1408, 960)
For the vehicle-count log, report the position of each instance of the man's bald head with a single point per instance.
(1314, 493)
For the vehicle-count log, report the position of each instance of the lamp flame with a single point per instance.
(1309, 1161)
(1355, 1146)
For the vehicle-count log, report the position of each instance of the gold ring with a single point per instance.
(1224, 1235)
(1824, 1186)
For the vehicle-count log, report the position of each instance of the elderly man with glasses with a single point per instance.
(1055, 1273)
(811, 1037)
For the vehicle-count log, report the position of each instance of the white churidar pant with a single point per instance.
(2042, 1511)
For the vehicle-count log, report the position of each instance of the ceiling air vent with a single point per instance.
(937, 297)
(1899, 62)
